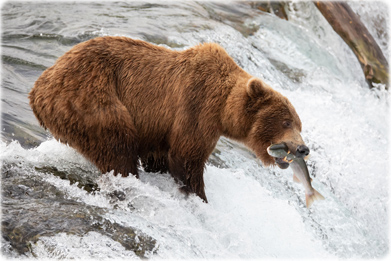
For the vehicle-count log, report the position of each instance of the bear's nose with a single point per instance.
(302, 151)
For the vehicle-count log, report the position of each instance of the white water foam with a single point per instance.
(242, 219)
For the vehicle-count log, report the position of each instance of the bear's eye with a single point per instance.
(287, 124)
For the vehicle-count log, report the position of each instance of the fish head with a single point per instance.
(281, 155)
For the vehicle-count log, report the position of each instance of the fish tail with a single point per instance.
(309, 199)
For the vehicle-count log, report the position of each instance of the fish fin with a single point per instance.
(309, 199)
(296, 179)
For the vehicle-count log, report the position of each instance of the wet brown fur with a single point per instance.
(117, 100)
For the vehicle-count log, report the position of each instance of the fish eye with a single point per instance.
(287, 124)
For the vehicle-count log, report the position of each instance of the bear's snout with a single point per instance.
(302, 151)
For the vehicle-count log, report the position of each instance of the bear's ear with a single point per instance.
(256, 88)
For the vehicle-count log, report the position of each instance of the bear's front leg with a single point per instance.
(154, 162)
(189, 173)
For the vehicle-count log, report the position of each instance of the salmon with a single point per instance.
(300, 171)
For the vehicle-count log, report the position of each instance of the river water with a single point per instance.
(55, 204)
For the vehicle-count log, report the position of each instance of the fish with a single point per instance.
(300, 171)
(280, 151)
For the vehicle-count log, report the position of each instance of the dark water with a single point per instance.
(55, 204)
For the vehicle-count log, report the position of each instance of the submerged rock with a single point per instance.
(83, 181)
(32, 208)
(295, 74)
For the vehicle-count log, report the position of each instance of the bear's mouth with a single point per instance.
(281, 163)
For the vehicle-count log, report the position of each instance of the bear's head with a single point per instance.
(274, 121)
(261, 116)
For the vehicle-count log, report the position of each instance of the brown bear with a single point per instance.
(119, 101)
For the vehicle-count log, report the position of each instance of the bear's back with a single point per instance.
(154, 85)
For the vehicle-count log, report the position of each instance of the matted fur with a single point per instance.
(117, 100)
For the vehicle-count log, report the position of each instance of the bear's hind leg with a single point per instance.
(118, 151)
(116, 144)
(104, 135)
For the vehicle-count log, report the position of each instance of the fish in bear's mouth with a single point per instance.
(283, 157)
